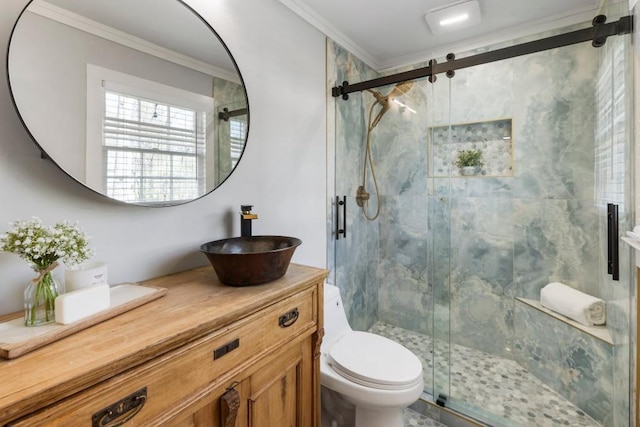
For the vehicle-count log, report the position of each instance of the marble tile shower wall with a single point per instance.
(355, 271)
(576, 365)
(493, 238)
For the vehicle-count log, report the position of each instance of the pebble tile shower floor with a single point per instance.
(413, 418)
(491, 383)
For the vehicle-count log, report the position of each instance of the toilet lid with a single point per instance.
(375, 361)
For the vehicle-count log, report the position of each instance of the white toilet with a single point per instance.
(377, 375)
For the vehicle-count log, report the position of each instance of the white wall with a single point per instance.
(282, 172)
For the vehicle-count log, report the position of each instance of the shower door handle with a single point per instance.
(342, 230)
(613, 265)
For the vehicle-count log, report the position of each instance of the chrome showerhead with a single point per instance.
(385, 101)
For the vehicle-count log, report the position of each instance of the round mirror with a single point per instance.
(139, 100)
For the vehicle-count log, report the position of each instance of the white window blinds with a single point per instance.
(238, 134)
(152, 151)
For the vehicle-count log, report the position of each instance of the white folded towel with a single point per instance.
(574, 304)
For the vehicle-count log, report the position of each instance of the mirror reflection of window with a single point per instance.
(153, 152)
(152, 142)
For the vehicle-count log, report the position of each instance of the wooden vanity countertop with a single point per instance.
(195, 305)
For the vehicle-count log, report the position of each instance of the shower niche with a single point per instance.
(488, 145)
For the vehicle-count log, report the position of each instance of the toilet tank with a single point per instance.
(335, 318)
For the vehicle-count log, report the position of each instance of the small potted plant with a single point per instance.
(469, 161)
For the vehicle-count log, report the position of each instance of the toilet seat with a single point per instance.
(375, 361)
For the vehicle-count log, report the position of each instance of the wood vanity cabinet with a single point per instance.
(204, 355)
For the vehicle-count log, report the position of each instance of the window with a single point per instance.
(147, 142)
(152, 152)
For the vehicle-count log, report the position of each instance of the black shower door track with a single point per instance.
(597, 34)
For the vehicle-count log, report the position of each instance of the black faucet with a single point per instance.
(245, 220)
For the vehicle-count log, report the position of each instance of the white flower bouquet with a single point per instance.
(42, 246)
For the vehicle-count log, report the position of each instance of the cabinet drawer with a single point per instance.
(171, 382)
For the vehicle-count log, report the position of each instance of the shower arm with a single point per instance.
(225, 114)
(597, 34)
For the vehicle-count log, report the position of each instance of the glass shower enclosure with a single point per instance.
(453, 265)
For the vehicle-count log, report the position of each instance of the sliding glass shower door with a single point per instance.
(353, 253)
(382, 266)
(493, 184)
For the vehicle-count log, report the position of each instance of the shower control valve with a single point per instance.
(361, 196)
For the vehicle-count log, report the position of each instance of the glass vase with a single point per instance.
(39, 298)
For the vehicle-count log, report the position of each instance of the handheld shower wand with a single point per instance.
(385, 101)
(362, 196)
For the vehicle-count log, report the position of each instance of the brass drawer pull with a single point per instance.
(121, 411)
(289, 318)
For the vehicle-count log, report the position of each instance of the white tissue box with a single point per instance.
(94, 273)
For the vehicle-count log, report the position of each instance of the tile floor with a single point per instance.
(494, 385)
(413, 418)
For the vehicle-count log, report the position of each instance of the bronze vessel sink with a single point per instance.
(253, 260)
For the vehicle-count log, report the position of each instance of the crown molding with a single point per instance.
(330, 31)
